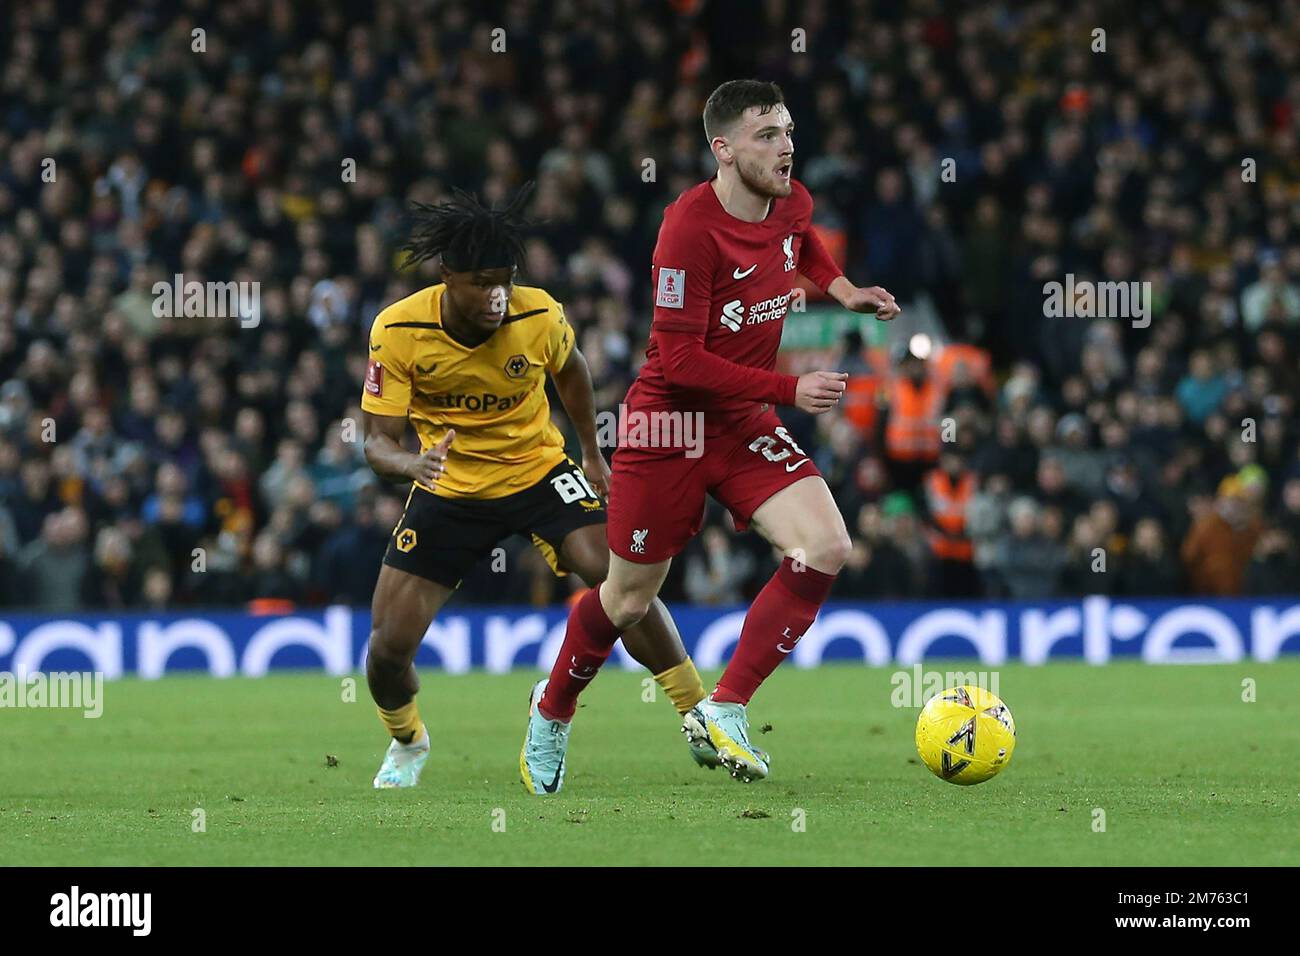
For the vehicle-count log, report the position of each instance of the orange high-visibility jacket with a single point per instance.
(947, 501)
(912, 433)
(859, 402)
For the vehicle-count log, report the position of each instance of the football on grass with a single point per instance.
(965, 735)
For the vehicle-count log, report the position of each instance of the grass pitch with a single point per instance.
(1185, 772)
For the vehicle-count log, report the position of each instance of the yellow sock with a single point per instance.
(403, 723)
(681, 683)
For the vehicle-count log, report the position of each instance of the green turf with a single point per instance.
(1186, 772)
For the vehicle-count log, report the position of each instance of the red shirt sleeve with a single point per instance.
(815, 262)
(688, 364)
(682, 274)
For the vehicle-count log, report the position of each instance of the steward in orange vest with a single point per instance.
(948, 492)
(946, 497)
(915, 404)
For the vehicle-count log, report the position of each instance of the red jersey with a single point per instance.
(722, 289)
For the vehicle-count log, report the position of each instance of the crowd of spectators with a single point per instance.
(158, 462)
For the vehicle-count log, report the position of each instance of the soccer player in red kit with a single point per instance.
(723, 275)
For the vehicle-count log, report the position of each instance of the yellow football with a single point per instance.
(965, 735)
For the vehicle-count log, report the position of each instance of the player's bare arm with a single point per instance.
(577, 395)
(390, 461)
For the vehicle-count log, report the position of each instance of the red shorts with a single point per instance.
(657, 495)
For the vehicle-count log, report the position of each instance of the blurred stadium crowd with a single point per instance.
(1090, 456)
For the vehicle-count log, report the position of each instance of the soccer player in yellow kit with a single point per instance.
(465, 361)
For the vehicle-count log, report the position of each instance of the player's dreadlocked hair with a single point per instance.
(467, 235)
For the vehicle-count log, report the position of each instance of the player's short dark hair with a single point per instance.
(468, 235)
(729, 101)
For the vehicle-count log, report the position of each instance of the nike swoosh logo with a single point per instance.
(554, 784)
(737, 274)
(574, 660)
(802, 461)
(376, 348)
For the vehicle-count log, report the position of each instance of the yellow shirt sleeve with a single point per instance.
(559, 340)
(387, 389)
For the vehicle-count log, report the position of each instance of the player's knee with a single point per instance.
(387, 650)
(830, 555)
(626, 609)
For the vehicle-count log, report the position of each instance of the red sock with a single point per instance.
(590, 637)
(779, 616)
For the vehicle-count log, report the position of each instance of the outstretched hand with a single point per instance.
(428, 467)
(872, 299)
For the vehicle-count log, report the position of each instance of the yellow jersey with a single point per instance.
(493, 395)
